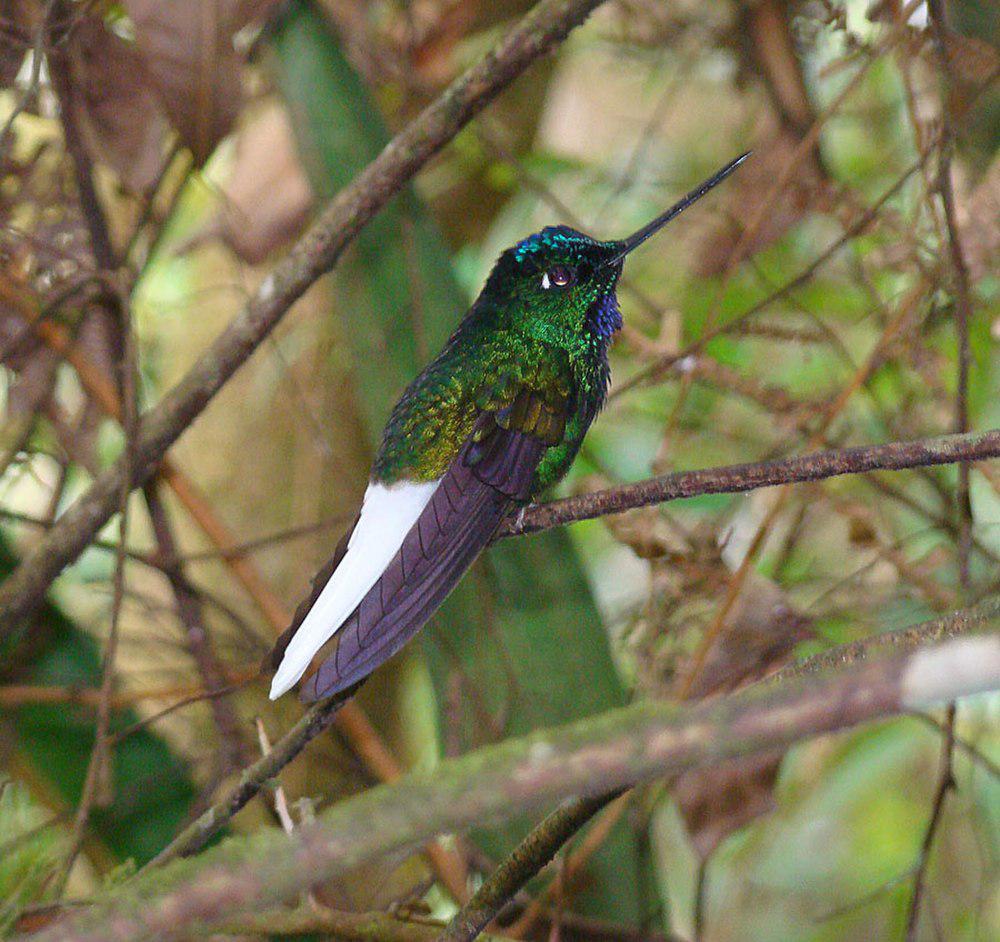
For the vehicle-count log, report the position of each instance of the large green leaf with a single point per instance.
(153, 792)
(520, 644)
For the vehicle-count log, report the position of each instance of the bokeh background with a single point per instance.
(808, 303)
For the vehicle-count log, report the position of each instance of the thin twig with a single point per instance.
(13, 696)
(963, 317)
(571, 866)
(253, 779)
(700, 899)
(971, 750)
(945, 782)
(233, 751)
(522, 864)
(963, 294)
(945, 628)
(98, 787)
(857, 227)
(343, 926)
(37, 54)
(734, 479)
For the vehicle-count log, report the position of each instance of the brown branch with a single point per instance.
(586, 758)
(972, 752)
(963, 317)
(13, 696)
(571, 867)
(522, 864)
(90, 204)
(544, 27)
(233, 751)
(960, 278)
(37, 55)
(317, 718)
(946, 628)
(734, 479)
(945, 782)
(98, 787)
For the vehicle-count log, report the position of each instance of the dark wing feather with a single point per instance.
(491, 475)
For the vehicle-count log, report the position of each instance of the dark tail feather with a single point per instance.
(481, 488)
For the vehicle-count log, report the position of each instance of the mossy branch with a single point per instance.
(586, 758)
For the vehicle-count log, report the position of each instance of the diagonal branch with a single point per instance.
(598, 754)
(544, 27)
(523, 863)
(733, 479)
(252, 779)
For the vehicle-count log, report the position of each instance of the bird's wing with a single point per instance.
(492, 473)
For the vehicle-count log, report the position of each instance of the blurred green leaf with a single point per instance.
(28, 851)
(152, 789)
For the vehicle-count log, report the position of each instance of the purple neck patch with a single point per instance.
(604, 316)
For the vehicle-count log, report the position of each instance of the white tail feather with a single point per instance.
(387, 514)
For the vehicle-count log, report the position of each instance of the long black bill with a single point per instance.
(637, 238)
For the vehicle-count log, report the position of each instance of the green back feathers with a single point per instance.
(542, 323)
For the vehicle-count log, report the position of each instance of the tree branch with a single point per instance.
(733, 479)
(546, 25)
(522, 864)
(946, 628)
(545, 839)
(317, 718)
(586, 758)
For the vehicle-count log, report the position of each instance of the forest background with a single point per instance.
(175, 176)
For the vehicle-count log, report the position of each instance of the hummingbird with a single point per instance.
(494, 420)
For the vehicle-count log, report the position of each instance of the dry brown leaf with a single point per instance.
(187, 47)
(118, 112)
(979, 221)
(717, 801)
(759, 635)
(267, 197)
(971, 60)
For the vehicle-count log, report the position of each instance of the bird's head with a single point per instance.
(561, 283)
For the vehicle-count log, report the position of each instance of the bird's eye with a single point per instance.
(558, 276)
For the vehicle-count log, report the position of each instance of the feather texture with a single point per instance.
(387, 514)
(491, 475)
